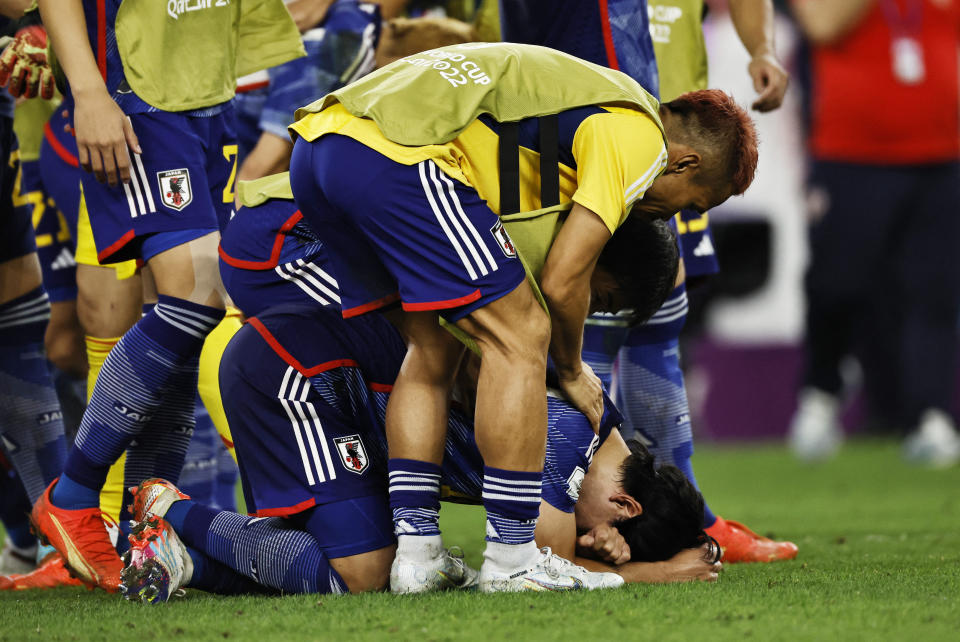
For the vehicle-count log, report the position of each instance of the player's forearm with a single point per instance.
(65, 23)
(631, 572)
(13, 8)
(753, 20)
(569, 304)
(824, 21)
(271, 155)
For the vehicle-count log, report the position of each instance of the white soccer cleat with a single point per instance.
(430, 568)
(815, 432)
(934, 443)
(549, 572)
(157, 564)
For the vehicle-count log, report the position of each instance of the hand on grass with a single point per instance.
(692, 565)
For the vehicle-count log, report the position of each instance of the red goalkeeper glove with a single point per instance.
(24, 68)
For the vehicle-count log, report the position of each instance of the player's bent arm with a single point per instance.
(686, 566)
(556, 529)
(825, 21)
(753, 20)
(271, 155)
(565, 283)
(102, 129)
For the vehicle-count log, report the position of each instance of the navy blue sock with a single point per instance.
(212, 576)
(177, 516)
(271, 552)
(227, 475)
(512, 501)
(70, 494)
(652, 395)
(20, 533)
(603, 335)
(146, 372)
(31, 425)
(414, 496)
(199, 475)
(14, 509)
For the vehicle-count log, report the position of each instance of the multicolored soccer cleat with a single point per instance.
(152, 498)
(81, 537)
(549, 572)
(157, 563)
(740, 544)
(51, 573)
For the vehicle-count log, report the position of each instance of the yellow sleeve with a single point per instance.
(618, 155)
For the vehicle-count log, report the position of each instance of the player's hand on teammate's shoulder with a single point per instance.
(605, 543)
(770, 80)
(585, 392)
(105, 136)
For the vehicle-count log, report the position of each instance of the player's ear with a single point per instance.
(682, 158)
(627, 506)
(686, 163)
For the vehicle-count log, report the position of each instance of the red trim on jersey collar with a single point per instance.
(286, 510)
(116, 246)
(442, 305)
(58, 147)
(289, 358)
(607, 35)
(373, 305)
(380, 387)
(274, 259)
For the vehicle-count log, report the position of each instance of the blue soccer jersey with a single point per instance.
(339, 50)
(571, 444)
(612, 33)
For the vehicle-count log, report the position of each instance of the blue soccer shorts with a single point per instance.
(16, 225)
(400, 232)
(296, 447)
(183, 182)
(269, 257)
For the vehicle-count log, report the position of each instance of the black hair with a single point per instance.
(672, 517)
(643, 258)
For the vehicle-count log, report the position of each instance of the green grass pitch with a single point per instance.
(879, 559)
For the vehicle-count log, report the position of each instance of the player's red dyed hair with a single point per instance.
(710, 116)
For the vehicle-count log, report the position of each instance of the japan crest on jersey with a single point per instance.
(175, 189)
(352, 453)
(574, 482)
(503, 240)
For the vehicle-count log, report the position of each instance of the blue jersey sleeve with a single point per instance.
(339, 50)
(571, 444)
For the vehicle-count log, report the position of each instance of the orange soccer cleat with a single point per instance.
(740, 544)
(81, 537)
(50, 574)
(152, 498)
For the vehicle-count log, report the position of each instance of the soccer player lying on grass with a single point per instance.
(306, 393)
(400, 175)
